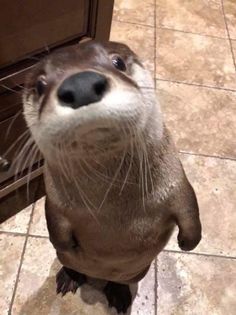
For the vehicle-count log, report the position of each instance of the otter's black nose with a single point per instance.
(82, 89)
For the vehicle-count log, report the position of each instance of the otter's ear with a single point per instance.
(186, 213)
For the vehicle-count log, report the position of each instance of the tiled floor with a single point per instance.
(190, 47)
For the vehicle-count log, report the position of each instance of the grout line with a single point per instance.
(24, 234)
(21, 263)
(207, 155)
(31, 218)
(199, 254)
(197, 85)
(228, 33)
(17, 277)
(13, 233)
(38, 236)
(168, 29)
(132, 23)
(191, 33)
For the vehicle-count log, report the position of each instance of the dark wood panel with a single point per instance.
(20, 196)
(100, 19)
(14, 135)
(28, 26)
(10, 103)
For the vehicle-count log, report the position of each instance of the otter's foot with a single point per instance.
(69, 280)
(118, 296)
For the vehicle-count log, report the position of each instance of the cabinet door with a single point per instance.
(28, 27)
(17, 153)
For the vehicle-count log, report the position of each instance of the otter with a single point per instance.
(115, 187)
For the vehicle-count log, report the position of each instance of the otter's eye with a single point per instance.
(41, 85)
(118, 63)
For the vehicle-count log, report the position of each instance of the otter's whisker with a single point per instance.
(34, 151)
(12, 122)
(101, 176)
(64, 163)
(130, 163)
(61, 168)
(98, 163)
(21, 137)
(9, 89)
(86, 200)
(149, 170)
(84, 171)
(114, 178)
(17, 162)
(83, 195)
(140, 156)
(142, 143)
(28, 151)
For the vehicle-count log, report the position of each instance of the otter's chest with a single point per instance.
(127, 227)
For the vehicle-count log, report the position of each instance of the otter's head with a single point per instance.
(92, 95)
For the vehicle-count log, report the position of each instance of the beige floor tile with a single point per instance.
(19, 222)
(36, 289)
(134, 11)
(15, 209)
(11, 248)
(139, 38)
(38, 225)
(195, 16)
(214, 181)
(194, 59)
(195, 285)
(230, 14)
(144, 303)
(201, 120)
(15, 213)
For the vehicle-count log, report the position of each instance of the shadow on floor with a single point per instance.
(88, 300)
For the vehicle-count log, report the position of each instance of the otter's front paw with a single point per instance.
(118, 296)
(69, 280)
(188, 242)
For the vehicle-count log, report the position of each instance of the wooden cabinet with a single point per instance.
(28, 31)
(35, 25)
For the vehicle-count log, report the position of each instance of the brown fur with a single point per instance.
(125, 225)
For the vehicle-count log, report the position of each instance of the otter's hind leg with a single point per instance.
(118, 296)
(69, 280)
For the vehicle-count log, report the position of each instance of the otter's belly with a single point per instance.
(120, 259)
(102, 267)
